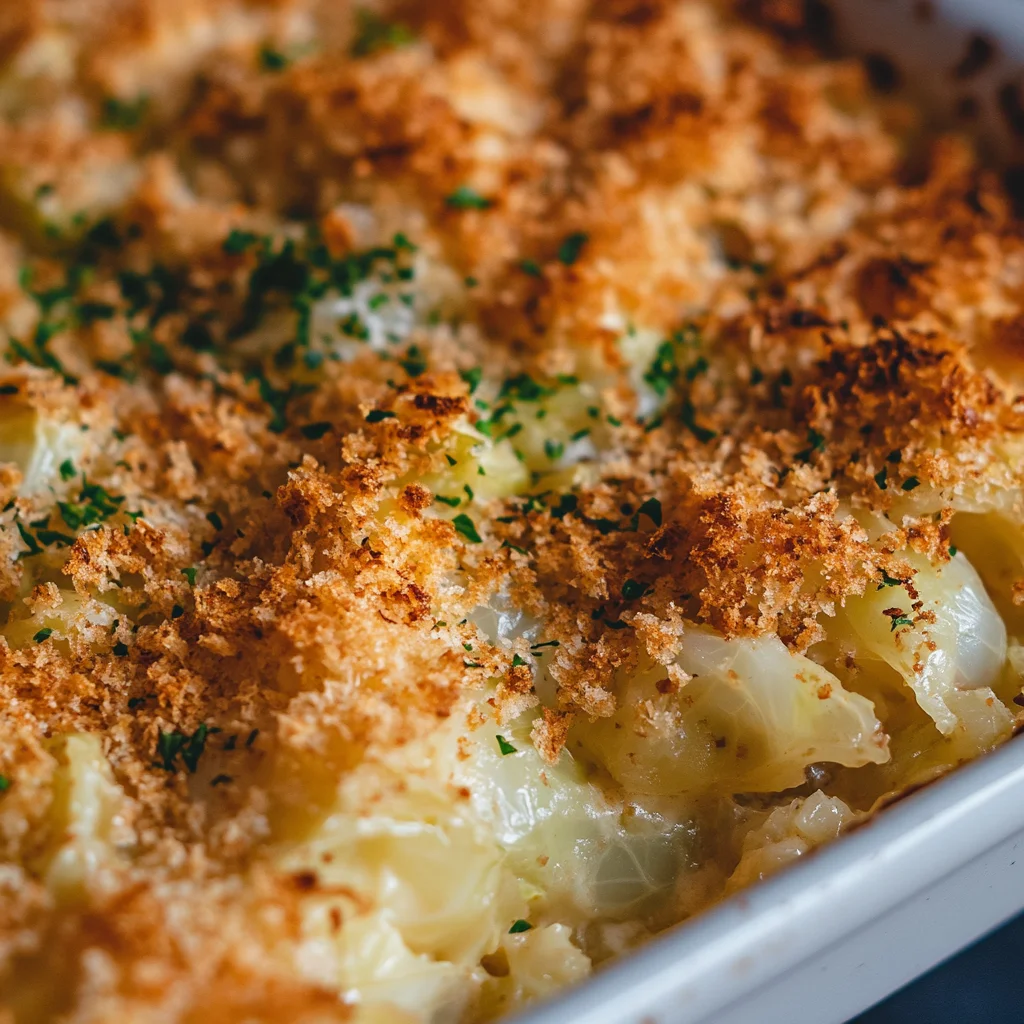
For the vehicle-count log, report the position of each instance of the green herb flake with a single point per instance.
(687, 415)
(504, 746)
(123, 115)
(663, 371)
(910, 483)
(5, 783)
(215, 520)
(172, 744)
(120, 649)
(43, 634)
(464, 525)
(518, 661)
(631, 590)
(519, 926)
(952, 552)
(554, 450)
(889, 581)
(571, 247)
(694, 370)
(898, 619)
(414, 363)
(378, 415)
(450, 501)
(566, 503)
(531, 267)
(894, 456)
(374, 34)
(239, 241)
(472, 377)
(67, 470)
(525, 389)
(190, 574)
(467, 198)
(880, 479)
(652, 509)
(273, 60)
(314, 431)
(815, 442)
(177, 611)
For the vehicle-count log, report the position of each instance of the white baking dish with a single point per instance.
(834, 934)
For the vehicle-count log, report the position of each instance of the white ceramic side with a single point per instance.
(829, 937)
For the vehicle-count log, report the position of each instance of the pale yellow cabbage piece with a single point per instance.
(433, 870)
(375, 970)
(949, 651)
(87, 819)
(540, 962)
(731, 716)
(36, 444)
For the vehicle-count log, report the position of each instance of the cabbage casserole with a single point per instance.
(481, 483)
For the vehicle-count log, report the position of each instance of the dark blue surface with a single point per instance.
(980, 986)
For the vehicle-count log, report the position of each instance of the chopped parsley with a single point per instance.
(5, 783)
(67, 470)
(464, 525)
(467, 198)
(554, 450)
(531, 267)
(452, 502)
(123, 115)
(94, 505)
(571, 247)
(524, 388)
(374, 34)
(815, 443)
(910, 483)
(889, 581)
(314, 431)
(177, 611)
(880, 479)
(519, 926)
(695, 369)
(273, 60)
(688, 417)
(518, 661)
(504, 746)
(414, 362)
(631, 590)
(215, 520)
(238, 241)
(650, 508)
(952, 552)
(190, 748)
(378, 415)
(663, 371)
(43, 634)
(472, 377)
(898, 619)
(190, 574)
(120, 649)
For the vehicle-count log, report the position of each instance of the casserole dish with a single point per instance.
(480, 486)
(928, 876)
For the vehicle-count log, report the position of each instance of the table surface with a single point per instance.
(979, 986)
